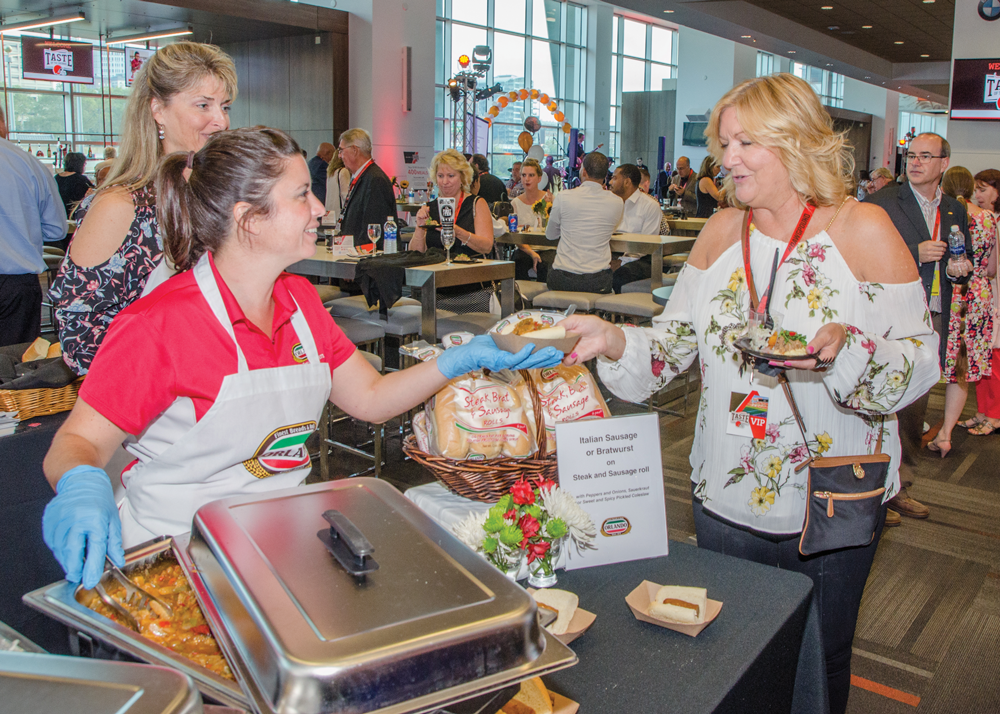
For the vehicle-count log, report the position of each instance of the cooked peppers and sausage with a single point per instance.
(186, 633)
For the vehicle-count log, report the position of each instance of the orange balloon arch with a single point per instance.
(543, 99)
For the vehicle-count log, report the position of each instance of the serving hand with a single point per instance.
(482, 352)
(597, 337)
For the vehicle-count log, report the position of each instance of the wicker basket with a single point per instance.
(488, 481)
(30, 403)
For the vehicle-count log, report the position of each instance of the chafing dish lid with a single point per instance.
(433, 615)
(49, 683)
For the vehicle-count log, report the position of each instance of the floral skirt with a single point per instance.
(974, 330)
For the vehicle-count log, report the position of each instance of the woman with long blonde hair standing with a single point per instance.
(180, 97)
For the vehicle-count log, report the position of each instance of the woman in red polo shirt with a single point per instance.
(218, 376)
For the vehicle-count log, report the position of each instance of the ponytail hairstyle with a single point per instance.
(196, 213)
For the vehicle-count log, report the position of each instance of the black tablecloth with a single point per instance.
(760, 653)
(25, 562)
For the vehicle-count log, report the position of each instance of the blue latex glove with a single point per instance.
(482, 351)
(83, 519)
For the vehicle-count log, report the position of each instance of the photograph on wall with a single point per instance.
(135, 57)
(57, 60)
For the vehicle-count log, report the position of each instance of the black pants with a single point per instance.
(632, 271)
(523, 263)
(838, 577)
(20, 308)
(599, 282)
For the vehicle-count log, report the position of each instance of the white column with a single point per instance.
(705, 72)
(863, 97)
(597, 109)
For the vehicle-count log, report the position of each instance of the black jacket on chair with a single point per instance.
(904, 210)
(370, 201)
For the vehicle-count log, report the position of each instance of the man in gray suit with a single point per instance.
(924, 217)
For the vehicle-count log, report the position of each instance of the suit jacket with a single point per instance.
(317, 171)
(370, 201)
(904, 210)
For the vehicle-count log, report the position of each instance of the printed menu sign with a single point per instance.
(57, 60)
(614, 471)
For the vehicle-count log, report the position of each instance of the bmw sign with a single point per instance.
(989, 10)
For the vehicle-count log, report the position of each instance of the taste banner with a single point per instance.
(57, 60)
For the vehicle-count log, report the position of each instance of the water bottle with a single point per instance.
(512, 222)
(956, 244)
(411, 197)
(389, 234)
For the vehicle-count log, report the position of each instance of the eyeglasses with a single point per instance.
(922, 158)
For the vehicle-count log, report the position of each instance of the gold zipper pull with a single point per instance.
(858, 471)
(829, 501)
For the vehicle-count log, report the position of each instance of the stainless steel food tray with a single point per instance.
(433, 625)
(63, 601)
(43, 683)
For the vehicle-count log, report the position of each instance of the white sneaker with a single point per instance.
(927, 427)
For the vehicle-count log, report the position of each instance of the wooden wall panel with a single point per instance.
(269, 78)
(341, 77)
(239, 115)
(311, 82)
(646, 116)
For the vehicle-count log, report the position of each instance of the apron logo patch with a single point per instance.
(283, 450)
(299, 352)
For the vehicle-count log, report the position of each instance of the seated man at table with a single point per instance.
(582, 220)
(642, 215)
(370, 199)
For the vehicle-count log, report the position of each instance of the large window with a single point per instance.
(537, 44)
(765, 64)
(642, 56)
(923, 123)
(828, 85)
(84, 117)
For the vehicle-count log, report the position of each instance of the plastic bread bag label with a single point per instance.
(567, 394)
(476, 417)
(420, 431)
(421, 350)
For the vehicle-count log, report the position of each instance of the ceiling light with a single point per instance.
(866, 27)
(827, 7)
(176, 32)
(829, 64)
(42, 22)
(898, 42)
(669, 12)
(925, 55)
(833, 27)
(791, 52)
(745, 37)
(867, 77)
(928, 2)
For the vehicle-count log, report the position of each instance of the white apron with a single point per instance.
(251, 440)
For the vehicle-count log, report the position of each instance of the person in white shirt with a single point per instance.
(583, 220)
(642, 215)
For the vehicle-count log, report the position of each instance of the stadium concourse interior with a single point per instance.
(930, 618)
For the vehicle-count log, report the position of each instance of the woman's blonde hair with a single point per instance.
(173, 69)
(532, 164)
(782, 112)
(456, 161)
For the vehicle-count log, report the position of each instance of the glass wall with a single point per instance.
(828, 85)
(537, 44)
(642, 56)
(84, 117)
(923, 123)
(765, 64)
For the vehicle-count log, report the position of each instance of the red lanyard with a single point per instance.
(360, 174)
(936, 235)
(800, 230)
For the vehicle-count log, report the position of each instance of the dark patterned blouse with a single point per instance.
(86, 300)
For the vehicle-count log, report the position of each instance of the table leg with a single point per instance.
(506, 296)
(428, 309)
(657, 268)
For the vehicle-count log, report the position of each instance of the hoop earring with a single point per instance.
(159, 131)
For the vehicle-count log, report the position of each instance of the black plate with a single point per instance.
(743, 345)
(470, 261)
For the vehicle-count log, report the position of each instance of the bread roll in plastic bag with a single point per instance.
(478, 417)
(567, 394)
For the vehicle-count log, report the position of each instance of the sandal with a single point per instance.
(985, 428)
(973, 422)
(940, 447)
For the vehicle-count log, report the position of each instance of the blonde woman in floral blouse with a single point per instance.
(849, 284)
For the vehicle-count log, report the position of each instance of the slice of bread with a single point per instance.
(55, 350)
(549, 333)
(533, 698)
(563, 602)
(674, 603)
(38, 350)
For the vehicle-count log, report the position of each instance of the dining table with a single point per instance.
(686, 226)
(636, 243)
(428, 278)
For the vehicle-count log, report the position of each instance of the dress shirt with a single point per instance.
(642, 215)
(929, 207)
(583, 219)
(31, 211)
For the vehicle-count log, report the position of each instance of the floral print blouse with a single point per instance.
(86, 300)
(890, 359)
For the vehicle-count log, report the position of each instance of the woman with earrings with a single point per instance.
(180, 97)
